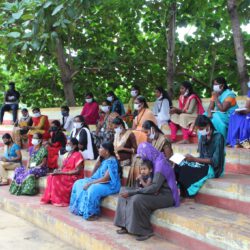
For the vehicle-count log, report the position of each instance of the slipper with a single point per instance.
(4, 183)
(144, 237)
(122, 231)
(93, 218)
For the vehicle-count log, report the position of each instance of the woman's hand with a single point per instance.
(124, 195)
(87, 186)
(173, 110)
(189, 157)
(4, 159)
(209, 114)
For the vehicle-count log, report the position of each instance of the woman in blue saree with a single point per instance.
(87, 193)
(222, 105)
(239, 126)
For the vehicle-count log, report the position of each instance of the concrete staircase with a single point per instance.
(218, 218)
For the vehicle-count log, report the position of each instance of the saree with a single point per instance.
(58, 140)
(90, 112)
(191, 176)
(24, 181)
(58, 188)
(239, 128)
(87, 203)
(144, 115)
(41, 125)
(220, 119)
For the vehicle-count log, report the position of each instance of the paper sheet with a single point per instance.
(177, 158)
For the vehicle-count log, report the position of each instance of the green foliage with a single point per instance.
(113, 44)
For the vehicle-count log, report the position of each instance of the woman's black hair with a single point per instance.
(75, 142)
(24, 110)
(149, 164)
(57, 123)
(112, 94)
(187, 85)
(203, 121)
(221, 80)
(165, 95)
(39, 135)
(7, 136)
(36, 109)
(137, 88)
(65, 108)
(143, 100)
(110, 147)
(149, 124)
(82, 120)
(90, 94)
(119, 121)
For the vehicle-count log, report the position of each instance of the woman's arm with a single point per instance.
(18, 158)
(97, 165)
(105, 178)
(78, 169)
(192, 106)
(43, 163)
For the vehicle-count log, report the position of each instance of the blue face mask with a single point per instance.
(65, 113)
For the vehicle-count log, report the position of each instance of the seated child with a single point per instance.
(146, 176)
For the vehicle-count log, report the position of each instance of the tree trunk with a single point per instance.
(170, 37)
(238, 45)
(66, 74)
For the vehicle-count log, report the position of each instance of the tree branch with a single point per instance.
(194, 79)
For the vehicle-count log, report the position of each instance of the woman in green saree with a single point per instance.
(24, 182)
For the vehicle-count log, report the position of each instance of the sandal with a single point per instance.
(122, 231)
(3, 183)
(93, 218)
(144, 237)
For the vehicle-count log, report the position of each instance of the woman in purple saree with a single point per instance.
(136, 205)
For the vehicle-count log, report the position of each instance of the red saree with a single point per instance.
(58, 188)
(185, 101)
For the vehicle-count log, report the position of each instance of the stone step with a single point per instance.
(197, 226)
(95, 235)
(231, 192)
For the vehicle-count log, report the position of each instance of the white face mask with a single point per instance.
(35, 142)
(203, 132)
(186, 93)
(68, 148)
(89, 100)
(216, 88)
(248, 84)
(137, 106)
(118, 130)
(105, 109)
(133, 93)
(37, 114)
(77, 125)
(110, 98)
(152, 135)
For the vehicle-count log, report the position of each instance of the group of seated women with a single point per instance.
(154, 181)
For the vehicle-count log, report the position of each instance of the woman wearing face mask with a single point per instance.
(90, 111)
(144, 114)
(40, 125)
(239, 126)
(117, 105)
(82, 134)
(67, 120)
(162, 106)
(25, 178)
(131, 112)
(57, 142)
(87, 193)
(105, 126)
(190, 106)
(222, 105)
(10, 160)
(157, 139)
(20, 129)
(60, 182)
(124, 143)
(192, 172)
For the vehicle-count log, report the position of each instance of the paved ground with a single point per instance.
(16, 233)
